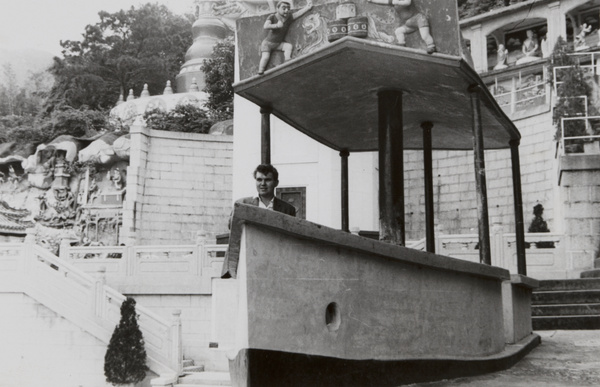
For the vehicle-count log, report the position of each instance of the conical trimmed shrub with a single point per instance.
(125, 359)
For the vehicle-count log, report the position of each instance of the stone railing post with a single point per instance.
(131, 261)
(63, 251)
(30, 236)
(98, 294)
(176, 342)
(202, 255)
(498, 258)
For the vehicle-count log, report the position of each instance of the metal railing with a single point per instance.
(521, 98)
(582, 139)
(593, 66)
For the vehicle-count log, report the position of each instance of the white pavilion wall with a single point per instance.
(303, 162)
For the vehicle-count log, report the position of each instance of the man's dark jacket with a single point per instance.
(278, 205)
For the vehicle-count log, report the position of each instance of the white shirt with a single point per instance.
(262, 205)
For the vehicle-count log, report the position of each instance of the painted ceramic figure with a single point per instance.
(502, 57)
(277, 26)
(530, 48)
(410, 21)
(584, 29)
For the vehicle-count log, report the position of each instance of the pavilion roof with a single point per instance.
(331, 95)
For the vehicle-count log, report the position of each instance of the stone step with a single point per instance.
(565, 297)
(572, 284)
(193, 368)
(208, 378)
(594, 273)
(188, 362)
(566, 310)
(197, 385)
(565, 323)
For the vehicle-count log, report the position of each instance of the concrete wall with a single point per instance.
(580, 201)
(41, 348)
(393, 302)
(178, 184)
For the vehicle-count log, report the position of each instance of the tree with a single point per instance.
(219, 72)
(125, 359)
(123, 51)
(469, 8)
(569, 92)
(184, 118)
(9, 90)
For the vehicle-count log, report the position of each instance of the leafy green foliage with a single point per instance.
(184, 118)
(123, 51)
(125, 359)
(218, 72)
(69, 121)
(469, 8)
(572, 87)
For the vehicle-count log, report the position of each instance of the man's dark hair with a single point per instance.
(265, 169)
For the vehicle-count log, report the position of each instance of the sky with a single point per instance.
(42, 24)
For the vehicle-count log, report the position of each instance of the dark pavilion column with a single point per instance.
(518, 200)
(345, 213)
(265, 135)
(391, 168)
(428, 169)
(480, 180)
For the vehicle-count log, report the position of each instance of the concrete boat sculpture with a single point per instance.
(322, 307)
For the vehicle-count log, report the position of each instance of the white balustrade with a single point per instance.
(178, 269)
(86, 301)
(544, 251)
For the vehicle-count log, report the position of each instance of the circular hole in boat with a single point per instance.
(332, 317)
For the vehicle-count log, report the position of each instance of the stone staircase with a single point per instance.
(196, 376)
(566, 304)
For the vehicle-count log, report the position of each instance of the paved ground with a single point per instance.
(563, 359)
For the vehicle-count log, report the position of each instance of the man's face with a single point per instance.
(284, 10)
(265, 184)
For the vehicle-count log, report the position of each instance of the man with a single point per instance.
(267, 179)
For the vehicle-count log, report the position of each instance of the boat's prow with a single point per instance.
(318, 306)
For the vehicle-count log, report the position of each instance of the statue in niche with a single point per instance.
(59, 210)
(12, 175)
(584, 29)
(502, 58)
(65, 202)
(277, 26)
(529, 48)
(538, 224)
(116, 178)
(410, 21)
